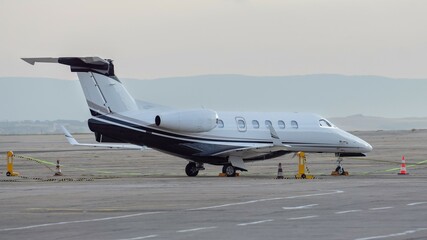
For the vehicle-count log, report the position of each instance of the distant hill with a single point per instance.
(365, 123)
(42, 127)
(328, 95)
(351, 123)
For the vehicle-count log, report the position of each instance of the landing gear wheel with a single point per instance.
(339, 170)
(229, 170)
(8, 174)
(303, 176)
(191, 169)
(224, 168)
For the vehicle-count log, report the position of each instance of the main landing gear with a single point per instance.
(229, 170)
(193, 168)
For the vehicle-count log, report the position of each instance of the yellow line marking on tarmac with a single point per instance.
(45, 162)
(396, 168)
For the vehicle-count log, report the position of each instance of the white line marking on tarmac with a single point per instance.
(348, 211)
(416, 203)
(253, 223)
(300, 207)
(264, 200)
(380, 208)
(78, 221)
(137, 238)
(394, 235)
(306, 217)
(234, 204)
(315, 194)
(195, 229)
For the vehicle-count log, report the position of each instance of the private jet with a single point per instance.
(201, 136)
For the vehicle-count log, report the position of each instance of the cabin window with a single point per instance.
(241, 124)
(281, 124)
(324, 123)
(268, 124)
(294, 124)
(255, 124)
(220, 123)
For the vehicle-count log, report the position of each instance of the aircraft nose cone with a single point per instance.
(366, 146)
(369, 147)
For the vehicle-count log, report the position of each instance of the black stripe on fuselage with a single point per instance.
(200, 152)
(169, 134)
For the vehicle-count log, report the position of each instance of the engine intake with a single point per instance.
(199, 120)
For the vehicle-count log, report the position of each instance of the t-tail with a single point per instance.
(104, 92)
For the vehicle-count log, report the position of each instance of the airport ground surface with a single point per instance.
(116, 194)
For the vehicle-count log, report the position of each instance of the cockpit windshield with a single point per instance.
(325, 123)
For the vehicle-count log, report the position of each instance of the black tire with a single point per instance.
(191, 169)
(339, 170)
(8, 174)
(224, 168)
(303, 176)
(230, 171)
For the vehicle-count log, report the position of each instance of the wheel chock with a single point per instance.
(225, 175)
(335, 173)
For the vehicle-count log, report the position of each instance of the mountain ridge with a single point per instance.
(331, 95)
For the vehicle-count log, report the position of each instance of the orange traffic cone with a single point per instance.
(403, 167)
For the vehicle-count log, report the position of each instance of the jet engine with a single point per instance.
(196, 121)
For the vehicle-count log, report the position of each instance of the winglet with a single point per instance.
(274, 136)
(69, 137)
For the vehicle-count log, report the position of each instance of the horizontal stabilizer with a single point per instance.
(74, 142)
(32, 61)
(79, 64)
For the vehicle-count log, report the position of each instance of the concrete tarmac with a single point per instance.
(119, 194)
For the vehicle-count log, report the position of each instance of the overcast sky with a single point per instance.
(165, 38)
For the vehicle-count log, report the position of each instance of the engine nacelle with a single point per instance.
(198, 120)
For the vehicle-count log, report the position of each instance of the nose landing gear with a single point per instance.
(339, 170)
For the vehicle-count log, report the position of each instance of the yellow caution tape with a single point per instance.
(43, 162)
(46, 163)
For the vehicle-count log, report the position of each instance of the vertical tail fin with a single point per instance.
(103, 90)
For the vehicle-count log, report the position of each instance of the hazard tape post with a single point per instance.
(58, 169)
(279, 172)
(45, 163)
(302, 167)
(9, 163)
